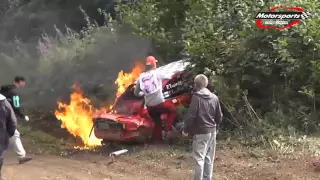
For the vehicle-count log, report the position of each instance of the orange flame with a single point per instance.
(76, 116)
(126, 79)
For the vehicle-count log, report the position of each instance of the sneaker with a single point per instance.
(24, 160)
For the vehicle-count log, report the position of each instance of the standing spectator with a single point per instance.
(201, 121)
(9, 91)
(8, 125)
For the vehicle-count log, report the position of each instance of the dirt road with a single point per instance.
(88, 166)
(157, 164)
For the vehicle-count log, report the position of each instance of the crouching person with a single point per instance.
(201, 121)
(8, 125)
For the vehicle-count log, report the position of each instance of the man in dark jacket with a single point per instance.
(9, 91)
(8, 125)
(202, 119)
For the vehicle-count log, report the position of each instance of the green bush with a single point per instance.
(261, 76)
(265, 79)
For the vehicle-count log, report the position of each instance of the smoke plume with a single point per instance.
(95, 70)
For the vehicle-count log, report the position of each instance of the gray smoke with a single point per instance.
(95, 71)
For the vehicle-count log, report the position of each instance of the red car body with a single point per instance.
(129, 120)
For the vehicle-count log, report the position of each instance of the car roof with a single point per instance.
(173, 67)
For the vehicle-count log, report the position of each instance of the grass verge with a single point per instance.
(40, 142)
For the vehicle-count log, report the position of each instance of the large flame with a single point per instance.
(76, 116)
(126, 79)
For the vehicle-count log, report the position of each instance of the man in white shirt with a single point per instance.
(149, 85)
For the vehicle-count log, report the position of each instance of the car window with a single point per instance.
(128, 103)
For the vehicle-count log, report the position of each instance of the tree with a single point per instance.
(161, 21)
(27, 19)
(271, 65)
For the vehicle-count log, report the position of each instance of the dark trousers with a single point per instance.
(155, 113)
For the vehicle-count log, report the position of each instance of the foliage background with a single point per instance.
(266, 79)
(276, 71)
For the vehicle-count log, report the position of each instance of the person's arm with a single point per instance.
(190, 118)
(137, 90)
(218, 113)
(11, 120)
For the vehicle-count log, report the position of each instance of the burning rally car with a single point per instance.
(129, 119)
